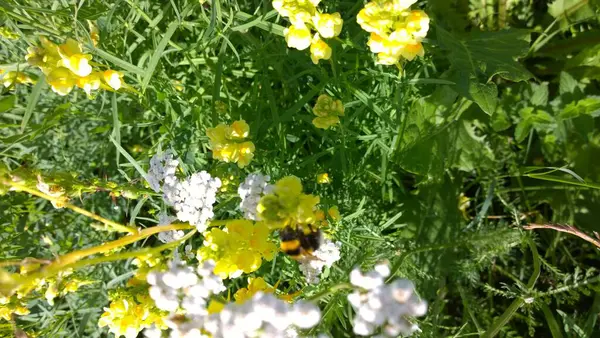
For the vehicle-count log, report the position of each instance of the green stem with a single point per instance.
(330, 291)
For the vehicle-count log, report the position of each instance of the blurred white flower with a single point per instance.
(162, 169)
(378, 304)
(312, 266)
(250, 191)
(264, 315)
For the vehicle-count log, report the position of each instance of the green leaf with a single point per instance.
(523, 129)
(488, 53)
(500, 120)
(475, 152)
(587, 106)
(33, 99)
(158, 54)
(568, 84)
(485, 95)
(569, 11)
(539, 94)
(7, 103)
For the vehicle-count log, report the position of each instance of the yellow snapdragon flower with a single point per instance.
(10, 305)
(229, 143)
(319, 49)
(67, 66)
(328, 25)
(305, 19)
(127, 316)
(396, 32)
(327, 111)
(287, 205)
(298, 36)
(239, 248)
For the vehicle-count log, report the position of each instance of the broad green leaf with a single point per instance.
(485, 95)
(589, 57)
(523, 129)
(568, 84)
(500, 120)
(488, 53)
(539, 94)
(474, 151)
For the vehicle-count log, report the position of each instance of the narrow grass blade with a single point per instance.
(128, 157)
(157, 54)
(33, 100)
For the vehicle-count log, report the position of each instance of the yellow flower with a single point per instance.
(334, 213)
(113, 78)
(254, 285)
(61, 80)
(328, 25)
(72, 58)
(298, 11)
(396, 32)
(11, 305)
(319, 50)
(214, 306)
(287, 205)
(323, 178)
(327, 111)
(11, 78)
(89, 83)
(228, 143)
(127, 316)
(298, 36)
(51, 293)
(239, 248)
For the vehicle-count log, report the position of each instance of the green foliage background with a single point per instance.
(503, 108)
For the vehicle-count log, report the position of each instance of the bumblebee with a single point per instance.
(300, 242)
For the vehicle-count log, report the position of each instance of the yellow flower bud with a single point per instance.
(334, 213)
(319, 50)
(328, 25)
(298, 36)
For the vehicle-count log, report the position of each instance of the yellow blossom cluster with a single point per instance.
(229, 143)
(67, 66)
(305, 17)
(12, 305)
(238, 248)
(328, 112)
(128, 315)
(286, 205)
(13, 77)
(396, 31)
(321, 216)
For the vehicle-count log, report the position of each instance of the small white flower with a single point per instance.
(250, 191)
(305, 315)
(327, 254)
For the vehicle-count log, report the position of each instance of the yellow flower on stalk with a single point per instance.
(89, 83)
(254, 285)
(396, 32)
(298, 36)
(12, 305)
(74, 59)
(328, 25)
(323, 178)
(61, 81)
(319, 50)
(229, 143)
(287, 205)
(127, 316)
(239, 248)
(298, 11)
(94, 32)
(327, 111)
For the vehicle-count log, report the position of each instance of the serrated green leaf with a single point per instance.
(589, 106)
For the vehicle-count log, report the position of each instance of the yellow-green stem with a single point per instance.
(116, 226)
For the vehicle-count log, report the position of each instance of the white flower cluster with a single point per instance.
(264, 315)
(380, 304)
(193, 198)
(183, 287)
(250, 191)
(312, 266)
(162, 169)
